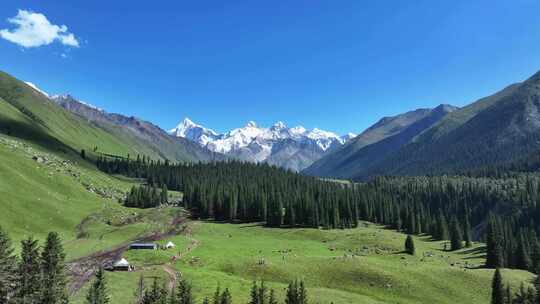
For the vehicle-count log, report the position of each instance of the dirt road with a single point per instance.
(82, 270)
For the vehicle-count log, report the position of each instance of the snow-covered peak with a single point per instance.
(33, 86)
(251, 124)
(186, 125)
(188, 122)
(298, 130)
(194, 132)
(251, 136)
(279, 125)
(345, 138)
(318, 134)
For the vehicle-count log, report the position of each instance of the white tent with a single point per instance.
(122, 263)
(170, 245)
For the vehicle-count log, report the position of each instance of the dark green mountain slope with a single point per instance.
(495, 130)
(377, 142)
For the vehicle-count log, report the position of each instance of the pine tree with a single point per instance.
(531, 295)
(53, 272)
(156, 294)
(28, 273)
(296, 293)
(184, 295)
(442, 228)
(206, 301)
(163, 294)
(535, 256)
(272, 298)
(523, 259)
(164, 194)
(467, 233)
(302, 294)
(254, 294)
(497, 288)
(456, 238)
(7, 265)
(537, 288)
(409, 245)
(263, 293)
(508, 295)
(291, 297)
(226, 297)
(217, 296)
(98, 293)
(494, 255)
(522, 296)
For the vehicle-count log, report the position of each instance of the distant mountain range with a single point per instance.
(143, 132)
(494, 131)
(376, 143)
(291, 148)
(497, 130)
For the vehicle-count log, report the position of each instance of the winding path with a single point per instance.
(171, 272)
(82, 270)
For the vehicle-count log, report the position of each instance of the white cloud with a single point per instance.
(33, 30)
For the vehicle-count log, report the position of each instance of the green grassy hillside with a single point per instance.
(363, 265)
(26, 114)
(142, 135)
(45, 185)
(42, 191)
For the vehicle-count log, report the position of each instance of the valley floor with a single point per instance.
(363, 265)
(42, 192)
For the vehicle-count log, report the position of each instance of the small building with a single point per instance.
(148, 246)
(122, 265)
(170, 245)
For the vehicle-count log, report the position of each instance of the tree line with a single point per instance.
(38, 275)
(505, 211)
(237, 191)
(182, 293)
(146, 196)
(501, 294)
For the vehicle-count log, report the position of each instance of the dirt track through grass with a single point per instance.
(82, 270)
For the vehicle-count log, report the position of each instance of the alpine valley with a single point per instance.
(102, 181)
(110, 194)
(437, 198)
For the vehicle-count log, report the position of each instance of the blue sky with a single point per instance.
(335, 65)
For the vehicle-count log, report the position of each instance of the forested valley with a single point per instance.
(501, 210)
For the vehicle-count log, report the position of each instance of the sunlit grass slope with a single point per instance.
(363, 265)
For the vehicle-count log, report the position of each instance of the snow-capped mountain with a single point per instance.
(33, 86)
(194, 132)
(293, 148)
(143, 135)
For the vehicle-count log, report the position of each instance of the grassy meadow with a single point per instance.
(363, 265)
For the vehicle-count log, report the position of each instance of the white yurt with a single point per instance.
(122, 264)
